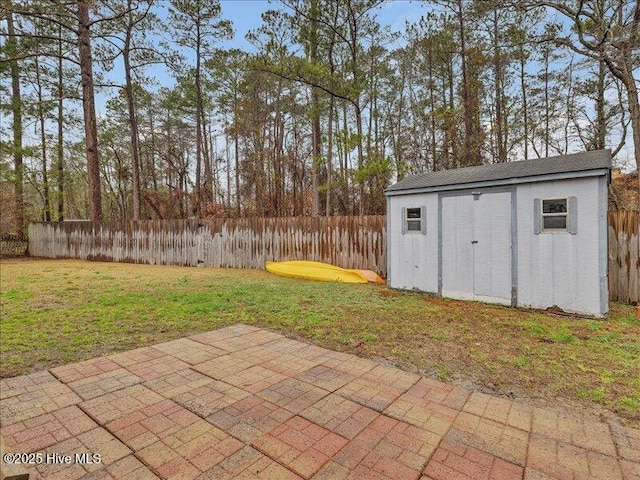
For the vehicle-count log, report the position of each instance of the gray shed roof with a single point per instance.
(579, 162)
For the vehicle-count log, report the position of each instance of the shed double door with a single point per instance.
(476, 247)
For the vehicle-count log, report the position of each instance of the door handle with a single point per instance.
(474, 241)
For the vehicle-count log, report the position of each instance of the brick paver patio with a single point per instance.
(246, 403)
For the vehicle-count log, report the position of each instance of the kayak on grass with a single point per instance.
(320, 271)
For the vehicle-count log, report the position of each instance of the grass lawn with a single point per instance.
(60, 311)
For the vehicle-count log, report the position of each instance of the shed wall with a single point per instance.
(560, 268)
(413, 257)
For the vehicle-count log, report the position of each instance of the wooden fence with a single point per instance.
(350, 242)
(624, 259)
(12, 247)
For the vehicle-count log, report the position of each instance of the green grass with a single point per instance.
(55, 312)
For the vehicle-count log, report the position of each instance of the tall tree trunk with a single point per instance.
(547, 113)
(317, 154)
(328, 208)
(355, 71)
(236, 152)
(315, 111)
(601, 119)
(525, 112)
(151, 149)
(133, 123)
(432, 105)
(330, 125)
(465, 90)
(198, 194)
(497, 66)
(16, 110)
(216, 191)
(228, 161)
(46, 207)
(361, 201)
(347, 162)
(452, 123)
(207, 194)
(278, 141)
(89, 110)
(634, 109)
(60, 149)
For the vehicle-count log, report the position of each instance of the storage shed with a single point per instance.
(530, 234)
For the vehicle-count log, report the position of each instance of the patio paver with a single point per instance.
(429, 404)
(490, 436)
(30, 396)
(250, 417)
(243, 402)
(190, 351)
(340, 415)
(294, 395)
(389, 449)
(453, 460)
(300, 445)
(325, 377)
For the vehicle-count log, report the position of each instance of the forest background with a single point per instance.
(140, 109)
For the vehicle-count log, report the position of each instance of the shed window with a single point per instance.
(556, 215)
(414, 220)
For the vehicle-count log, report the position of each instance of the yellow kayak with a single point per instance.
(368, 275)
(324, 272)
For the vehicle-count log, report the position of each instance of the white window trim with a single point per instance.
(554, 214)
(423, 219)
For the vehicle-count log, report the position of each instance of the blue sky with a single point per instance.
(246, 15)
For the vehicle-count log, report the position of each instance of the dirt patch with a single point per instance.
(389, 294)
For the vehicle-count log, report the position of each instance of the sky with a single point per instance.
(246, 15)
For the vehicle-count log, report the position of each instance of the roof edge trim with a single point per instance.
(506, 181)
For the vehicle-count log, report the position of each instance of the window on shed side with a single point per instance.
(556, 215)
(413, 220)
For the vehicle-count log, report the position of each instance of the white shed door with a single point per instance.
(476, 247)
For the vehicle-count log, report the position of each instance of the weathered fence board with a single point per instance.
(13, 247)
(624, 260)
(350, 242)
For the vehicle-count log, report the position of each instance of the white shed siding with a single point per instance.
(476, 252)
(413, 257)
(491, 248)
(603, 242)
(560, 268)
(492, 254)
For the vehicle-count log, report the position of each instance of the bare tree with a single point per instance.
(608, 31)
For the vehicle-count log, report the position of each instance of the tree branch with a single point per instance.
(38, 54)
